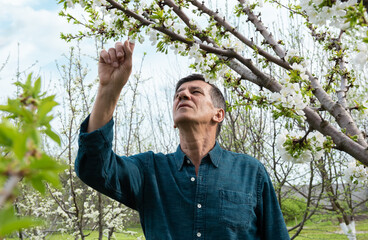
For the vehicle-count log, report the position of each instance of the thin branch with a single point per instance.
(9, 186)
(281, 62)
(342, 116)
(263, 81)
(343, 142)
(263, 30)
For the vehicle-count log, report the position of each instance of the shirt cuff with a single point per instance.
(96, 139)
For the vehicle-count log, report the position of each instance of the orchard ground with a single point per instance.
(321, 227)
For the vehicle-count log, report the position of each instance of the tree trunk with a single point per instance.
(349, 230)
(100, 216)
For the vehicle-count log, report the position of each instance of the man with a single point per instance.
(199, 192)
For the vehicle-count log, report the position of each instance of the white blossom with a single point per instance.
(192, 22)
(99, 3)
(291, 53)
(314, 140)
(361, 58)
(298, 67)
(291, 97)
(275, 97)
(179, 28)
(97, 23)
(168, 22)
(78, 191)
(178, 47)
(332, 16)
(355, 172)
(194, 52)
(70, 3)
(152, 34)
(304, 76)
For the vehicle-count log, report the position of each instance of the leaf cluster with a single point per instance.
(21, 131)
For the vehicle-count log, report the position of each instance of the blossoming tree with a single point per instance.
(331, 103)
(325, 101)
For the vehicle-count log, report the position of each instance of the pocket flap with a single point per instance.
(236, 197)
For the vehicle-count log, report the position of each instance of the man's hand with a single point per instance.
(115, 65)
(114, 69)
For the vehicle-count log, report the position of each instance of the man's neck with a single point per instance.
(196, 143)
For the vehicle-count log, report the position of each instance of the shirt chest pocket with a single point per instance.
(236, 210)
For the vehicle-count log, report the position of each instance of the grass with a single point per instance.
(319, 228)
(132, 233)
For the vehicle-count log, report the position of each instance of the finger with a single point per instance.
(113, 57)
(104, 57)
(119, 50)
(128, 49)
(132, 45)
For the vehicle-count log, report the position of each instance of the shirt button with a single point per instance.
(199, 205)
(188, 161)
(192, 179)
(199, 234)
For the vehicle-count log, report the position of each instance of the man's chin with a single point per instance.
(182, 121)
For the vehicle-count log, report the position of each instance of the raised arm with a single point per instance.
(114, 69)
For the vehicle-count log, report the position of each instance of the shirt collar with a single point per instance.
(215, 156)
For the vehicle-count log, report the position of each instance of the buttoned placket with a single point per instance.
(199, 201)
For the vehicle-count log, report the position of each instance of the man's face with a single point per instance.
(193, 104)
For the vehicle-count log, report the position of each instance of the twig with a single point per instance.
(9, 186)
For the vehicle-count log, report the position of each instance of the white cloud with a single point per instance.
(37, 32)
(17, 3)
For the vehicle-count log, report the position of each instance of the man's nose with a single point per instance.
(184, 95)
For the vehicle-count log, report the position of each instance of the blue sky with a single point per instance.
(31, 28)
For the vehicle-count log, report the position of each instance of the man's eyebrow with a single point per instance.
(179, 90)
(190, 88)
(196, 88)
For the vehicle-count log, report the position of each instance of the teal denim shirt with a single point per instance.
(232, 196)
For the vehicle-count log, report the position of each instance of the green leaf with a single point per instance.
(45, 107)
(37, 87)
(12, 107)
(52, 135)
(20, 146)
(17, 224)
(34, 135)
(46, 120)
(49, 170)
(8, 134)
(38, 184)
(9, 223)
(52, 178)
(28, 81)
(27, 115)
(46, 163)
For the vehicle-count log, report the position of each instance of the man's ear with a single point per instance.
(219, 116)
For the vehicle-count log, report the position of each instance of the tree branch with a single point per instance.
(9, 186)
(281, 62)
(343, 142)
(263, 30)
(340, 114)
(249, 72)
